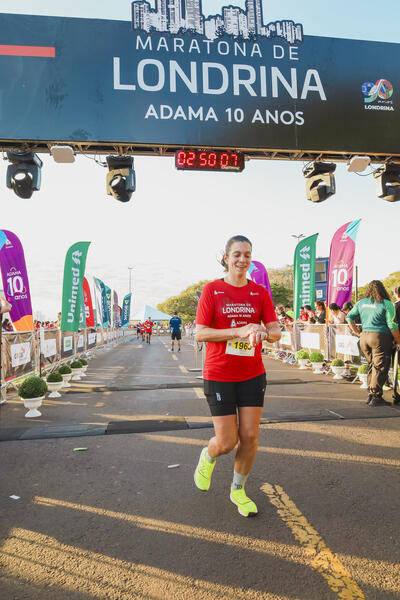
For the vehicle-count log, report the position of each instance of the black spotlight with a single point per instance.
(24, 174)
(320, 183)
(388, 182)
(121, 180)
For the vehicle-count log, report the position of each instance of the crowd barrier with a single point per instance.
(333, 341)
(34, 352)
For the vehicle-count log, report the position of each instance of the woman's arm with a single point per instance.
(209, 334)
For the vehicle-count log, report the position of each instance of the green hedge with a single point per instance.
(32, 387)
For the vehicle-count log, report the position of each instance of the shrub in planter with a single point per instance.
(363, 369)
(337, 362)
(32, 387)
(316, 357)
(76, 364)
(302, 355)
(54, 377)
(83, 361)
(65, 370)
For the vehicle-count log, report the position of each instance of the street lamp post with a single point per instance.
(298, 237)
(130, 269)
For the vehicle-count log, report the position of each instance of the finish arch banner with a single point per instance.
(174, 76)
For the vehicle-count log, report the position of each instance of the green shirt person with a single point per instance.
(379, 328)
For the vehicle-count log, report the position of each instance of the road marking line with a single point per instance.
(183, 369)
(323, 561)
(337, 414)
(199, 393)
(174, 357)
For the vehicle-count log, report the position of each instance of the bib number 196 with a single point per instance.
(239, 347)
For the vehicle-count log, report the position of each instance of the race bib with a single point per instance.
(239, 347)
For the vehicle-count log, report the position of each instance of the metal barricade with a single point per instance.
(312, 337)
(18, 355)
(343, 344)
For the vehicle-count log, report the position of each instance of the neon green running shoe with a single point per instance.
(203, 472)
(245, 506)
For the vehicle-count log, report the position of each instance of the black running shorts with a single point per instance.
(176, 335)
(225, 397)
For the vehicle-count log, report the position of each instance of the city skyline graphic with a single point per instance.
(178, 17)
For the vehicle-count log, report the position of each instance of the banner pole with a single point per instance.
(356, 283)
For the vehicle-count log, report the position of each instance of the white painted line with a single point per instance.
(337, 414)
(183, 369)
(174, 357)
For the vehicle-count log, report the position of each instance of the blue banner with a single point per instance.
(102, 306)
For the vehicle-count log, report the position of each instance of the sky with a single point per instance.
(174, 229)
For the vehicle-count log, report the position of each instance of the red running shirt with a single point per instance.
(148, 325)
(222, 306)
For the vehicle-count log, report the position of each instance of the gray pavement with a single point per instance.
(115, 522)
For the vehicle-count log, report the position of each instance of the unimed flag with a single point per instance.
(341, 263)
(15, 281)
(259, 274)
(72, 300)
(304, 273)
(126, 310)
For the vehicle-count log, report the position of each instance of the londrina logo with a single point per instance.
(382, 89)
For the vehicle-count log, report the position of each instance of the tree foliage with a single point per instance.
(390, 282)
(282, 276)
(185, 303)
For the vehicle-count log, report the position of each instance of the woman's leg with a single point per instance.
(249, 421)
(226, 435)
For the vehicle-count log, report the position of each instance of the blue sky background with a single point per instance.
(176, 224)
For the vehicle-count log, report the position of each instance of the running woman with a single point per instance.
(229, 318)
(142, 331)
(149, 329)
(175, 323)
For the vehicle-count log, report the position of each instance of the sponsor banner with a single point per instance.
(347, 344)
(341, 263)
(72, 300)
(310, 340)
(91, 336)
(80, 342)
(18, 357)
(304, 274)
(114, 309)
(286, 338)
(259, 274)
(67, 344)
(186, 78)
(87, 299)
(15, 280)
(126, 310)
(49, 346)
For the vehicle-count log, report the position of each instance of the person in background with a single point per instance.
(289, 312)
(320, 312)
(379, 328)
(303, 317)
(7, 326)
(175, 323)
(346, 308)
(396, 293)
(337, 316)
(310, 313)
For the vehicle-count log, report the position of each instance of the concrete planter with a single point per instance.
(66, 380)
(317, 367)
(363, 378)
(33, 404)
(338, 372)
(53, 387)
(303, 363)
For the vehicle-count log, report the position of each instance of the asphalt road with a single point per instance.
(113, 521)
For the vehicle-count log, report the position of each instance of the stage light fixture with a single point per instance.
(121, 180)
(320, 183)
(358, 164)
(388, 182)
(24, 174)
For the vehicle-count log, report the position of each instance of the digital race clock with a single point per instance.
(209, 160)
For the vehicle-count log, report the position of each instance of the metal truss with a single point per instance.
(100, 148)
